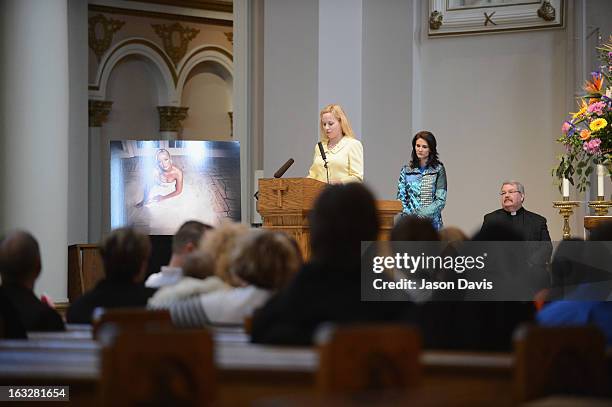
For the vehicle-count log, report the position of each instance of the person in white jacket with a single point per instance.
(262, 263)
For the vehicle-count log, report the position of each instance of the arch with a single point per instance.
(149, 51)
(204, 53)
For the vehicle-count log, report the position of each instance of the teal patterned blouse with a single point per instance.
(422, 192)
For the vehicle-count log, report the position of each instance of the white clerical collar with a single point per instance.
(513, 213)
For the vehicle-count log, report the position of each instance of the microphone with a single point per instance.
(322, 151)
(284, 168)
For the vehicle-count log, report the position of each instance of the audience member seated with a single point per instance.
(583, 282)
(463, 324)
(185, 241)
(125, 253)
(209, 264)
(452, 234)
(220, 243)
(20, 266)
(198, 278)
(413, 229)
(261, 263)
(329, 287)
(10, 324)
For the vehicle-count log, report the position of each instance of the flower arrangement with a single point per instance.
(587, 133)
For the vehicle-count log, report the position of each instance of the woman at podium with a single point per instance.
(338, 157)
(422, 183)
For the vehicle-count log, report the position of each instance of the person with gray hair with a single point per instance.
(529, 225)
(512, 213)
(20, 266)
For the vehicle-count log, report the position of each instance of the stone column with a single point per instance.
(98, 114)
(170, 121)
(34, 110)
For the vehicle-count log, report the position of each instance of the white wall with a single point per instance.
(291, 110)
(387, 91)
(495, 103)
(340, 52)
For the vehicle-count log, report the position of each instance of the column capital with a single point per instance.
(98, 112)
(170, 117)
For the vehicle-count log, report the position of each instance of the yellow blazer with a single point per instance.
(345, 162)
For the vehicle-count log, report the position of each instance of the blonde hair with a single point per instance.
(220, 243)
(339, 114)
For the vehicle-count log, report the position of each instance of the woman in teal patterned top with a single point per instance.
(422, 183)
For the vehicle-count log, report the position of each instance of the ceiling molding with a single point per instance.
(212, 5)
(162, 15)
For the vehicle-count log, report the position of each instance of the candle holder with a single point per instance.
(600, 205)
(566, 209)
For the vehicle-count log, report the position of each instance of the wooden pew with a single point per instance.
(247, 372)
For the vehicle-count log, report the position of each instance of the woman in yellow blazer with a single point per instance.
(344, 153)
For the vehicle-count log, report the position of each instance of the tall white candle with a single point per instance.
(600, 180)
(565, 187)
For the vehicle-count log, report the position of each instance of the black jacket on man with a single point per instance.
(530, 225)
(33, 314)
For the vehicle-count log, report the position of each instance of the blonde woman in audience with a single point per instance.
(261, 264)
(219, 243)
(198, 278)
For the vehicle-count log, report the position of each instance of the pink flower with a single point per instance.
(597, 108)
(592, 147)
(565, 128)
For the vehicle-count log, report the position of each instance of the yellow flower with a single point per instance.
(598, 124)
(583, 109)
(585, 134)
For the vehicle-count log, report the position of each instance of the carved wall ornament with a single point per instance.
(175, 39)
(435, 20)
(101, 32)
(547, 12)
(230, 37)
(98, 112)
(170, 117)
(469, 17)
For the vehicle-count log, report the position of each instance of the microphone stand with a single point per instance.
(326, 169)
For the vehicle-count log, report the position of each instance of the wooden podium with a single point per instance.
(591, 222)
(285, 203)
(84, 269)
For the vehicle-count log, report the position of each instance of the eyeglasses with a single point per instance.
(507, 192)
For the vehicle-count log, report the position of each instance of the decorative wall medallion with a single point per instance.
(435, 20)
(101, 32)
(170, 117)
(547, 11)
(98, 112)
(230, 37)
(175, 39)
